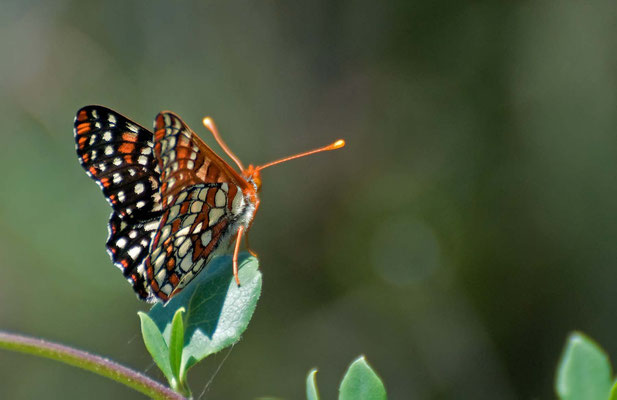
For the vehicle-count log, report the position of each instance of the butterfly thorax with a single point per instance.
(251, 191)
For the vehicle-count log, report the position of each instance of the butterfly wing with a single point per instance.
(118, 154)
(128, 245)
(202, 201)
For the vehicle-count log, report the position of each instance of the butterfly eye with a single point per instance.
(257, 180)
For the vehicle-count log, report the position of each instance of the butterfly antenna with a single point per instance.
(336, 145)
(209, 124)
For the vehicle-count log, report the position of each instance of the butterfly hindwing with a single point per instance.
(118, 155)
(196, 223)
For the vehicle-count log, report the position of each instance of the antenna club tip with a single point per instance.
(338, 144)
(207, 121)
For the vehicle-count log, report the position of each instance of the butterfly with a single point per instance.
(175, 203)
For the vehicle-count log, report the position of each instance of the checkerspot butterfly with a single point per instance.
(176, 203)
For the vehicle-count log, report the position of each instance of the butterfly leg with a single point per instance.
(236, 250)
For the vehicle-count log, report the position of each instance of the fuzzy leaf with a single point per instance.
(217, 310)
(176, 344)
(584, 371)
(155, 343)
(311, 386)
(361, 383)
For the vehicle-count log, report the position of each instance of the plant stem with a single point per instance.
(87, 361)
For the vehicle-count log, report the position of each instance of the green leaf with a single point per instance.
(311, 386)
(176, 344)
(584, 372)
(155, 343)
(361, 383)
(217, 310)
(613, 395)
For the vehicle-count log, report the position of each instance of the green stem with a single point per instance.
(182, 388)
(87, 361)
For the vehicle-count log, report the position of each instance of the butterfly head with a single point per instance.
(252, 175)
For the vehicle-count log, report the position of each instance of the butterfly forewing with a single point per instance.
(184, 159)
(200, 201)
(118, 155)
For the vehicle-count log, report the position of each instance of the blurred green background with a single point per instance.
(467, 227)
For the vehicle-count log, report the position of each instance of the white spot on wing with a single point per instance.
(188, 221)
(181, 197)
(237, 203)
(220, 199)
(134, 252)
(184, 248)
(196, 206)
(150, 226)
(159, 261)
(173, 212)
(183, 231)
(214, 216)
(206, 237)
(160, 277)
(165, 233)
(167, 289)
(186, 264)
